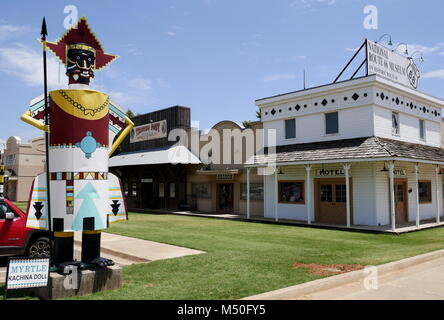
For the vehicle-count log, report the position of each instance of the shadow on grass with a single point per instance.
(21, 294)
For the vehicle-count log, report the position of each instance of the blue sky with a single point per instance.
(214, 56)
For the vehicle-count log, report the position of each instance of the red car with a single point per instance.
(16, 238)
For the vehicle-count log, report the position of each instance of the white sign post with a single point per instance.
(27, 273)
(391, 65)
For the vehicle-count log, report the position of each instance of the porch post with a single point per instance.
(308, 196)
(277, 194)
(347, 191)
(417, 194)
(438, 205)
(391, 166)
(248, 193)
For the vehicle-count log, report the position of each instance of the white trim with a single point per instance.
(359, 83)
(391, 167)
(417, 194)
(347, 192)
(298, 163)
(438, 203)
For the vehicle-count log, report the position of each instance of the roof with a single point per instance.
(349, 149)
(173, 155)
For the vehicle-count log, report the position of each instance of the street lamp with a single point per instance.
(399, 44)
(390, 39)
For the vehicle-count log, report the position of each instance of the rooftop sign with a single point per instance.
(391, 65)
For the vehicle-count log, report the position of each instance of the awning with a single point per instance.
(173, 155)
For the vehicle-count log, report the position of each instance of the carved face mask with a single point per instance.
(80, 63)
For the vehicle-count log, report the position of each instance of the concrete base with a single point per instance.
(90, 281)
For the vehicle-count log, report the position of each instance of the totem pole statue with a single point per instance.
(77, 193)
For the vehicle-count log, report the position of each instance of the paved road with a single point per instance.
(423, 281)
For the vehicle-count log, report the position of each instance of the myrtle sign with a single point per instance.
(26, 272)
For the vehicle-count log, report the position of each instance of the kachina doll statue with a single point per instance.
(82, 125)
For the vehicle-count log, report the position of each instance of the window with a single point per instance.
(172, 190)
(331, 123)
(291, 191)
(341, 193)
(326, 193)
(201, 190)
(290, 129)
(256, 191)
(425, 191)
(161, 190)
(395, 123)
(421, 129)
(134, 189)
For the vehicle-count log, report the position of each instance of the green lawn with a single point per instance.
(244, 258)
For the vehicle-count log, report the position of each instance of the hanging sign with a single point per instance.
(391, 65)
(150, 131)
(225, 176)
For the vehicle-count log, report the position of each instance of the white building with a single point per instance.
(363, 152)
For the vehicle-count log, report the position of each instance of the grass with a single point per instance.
(244, 259)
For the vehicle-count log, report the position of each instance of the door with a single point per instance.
(146, 195)
(12, 231)
(331, 202)
(401, 201)
(225, 198)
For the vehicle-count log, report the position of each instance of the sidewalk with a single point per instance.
(415, 278)
(125, 250)
(138, 250)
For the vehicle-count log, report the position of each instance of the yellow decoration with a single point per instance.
(84, 104)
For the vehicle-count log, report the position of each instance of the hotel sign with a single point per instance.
(391, 65)
(150, 131)
(400, 172)
(330, 172)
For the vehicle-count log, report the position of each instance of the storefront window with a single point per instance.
(161, 190)
(201, 190)
(172, 190)
(291, 191)
(134, 189)
(425, 191)
(256, 191)
(125, 188)
(341, 193)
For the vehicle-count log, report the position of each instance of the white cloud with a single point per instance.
(434, 74)
(278, 76)
(25, 63)
(170, 33)
(140, 84)
(296, 58)
(310, 3)
(8, 31)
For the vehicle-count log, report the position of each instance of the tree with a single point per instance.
(130, 114)
(246, 123)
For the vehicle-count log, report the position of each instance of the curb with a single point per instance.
(297, 291)
(118, 253)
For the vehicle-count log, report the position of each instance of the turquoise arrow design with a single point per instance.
(88, 208)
